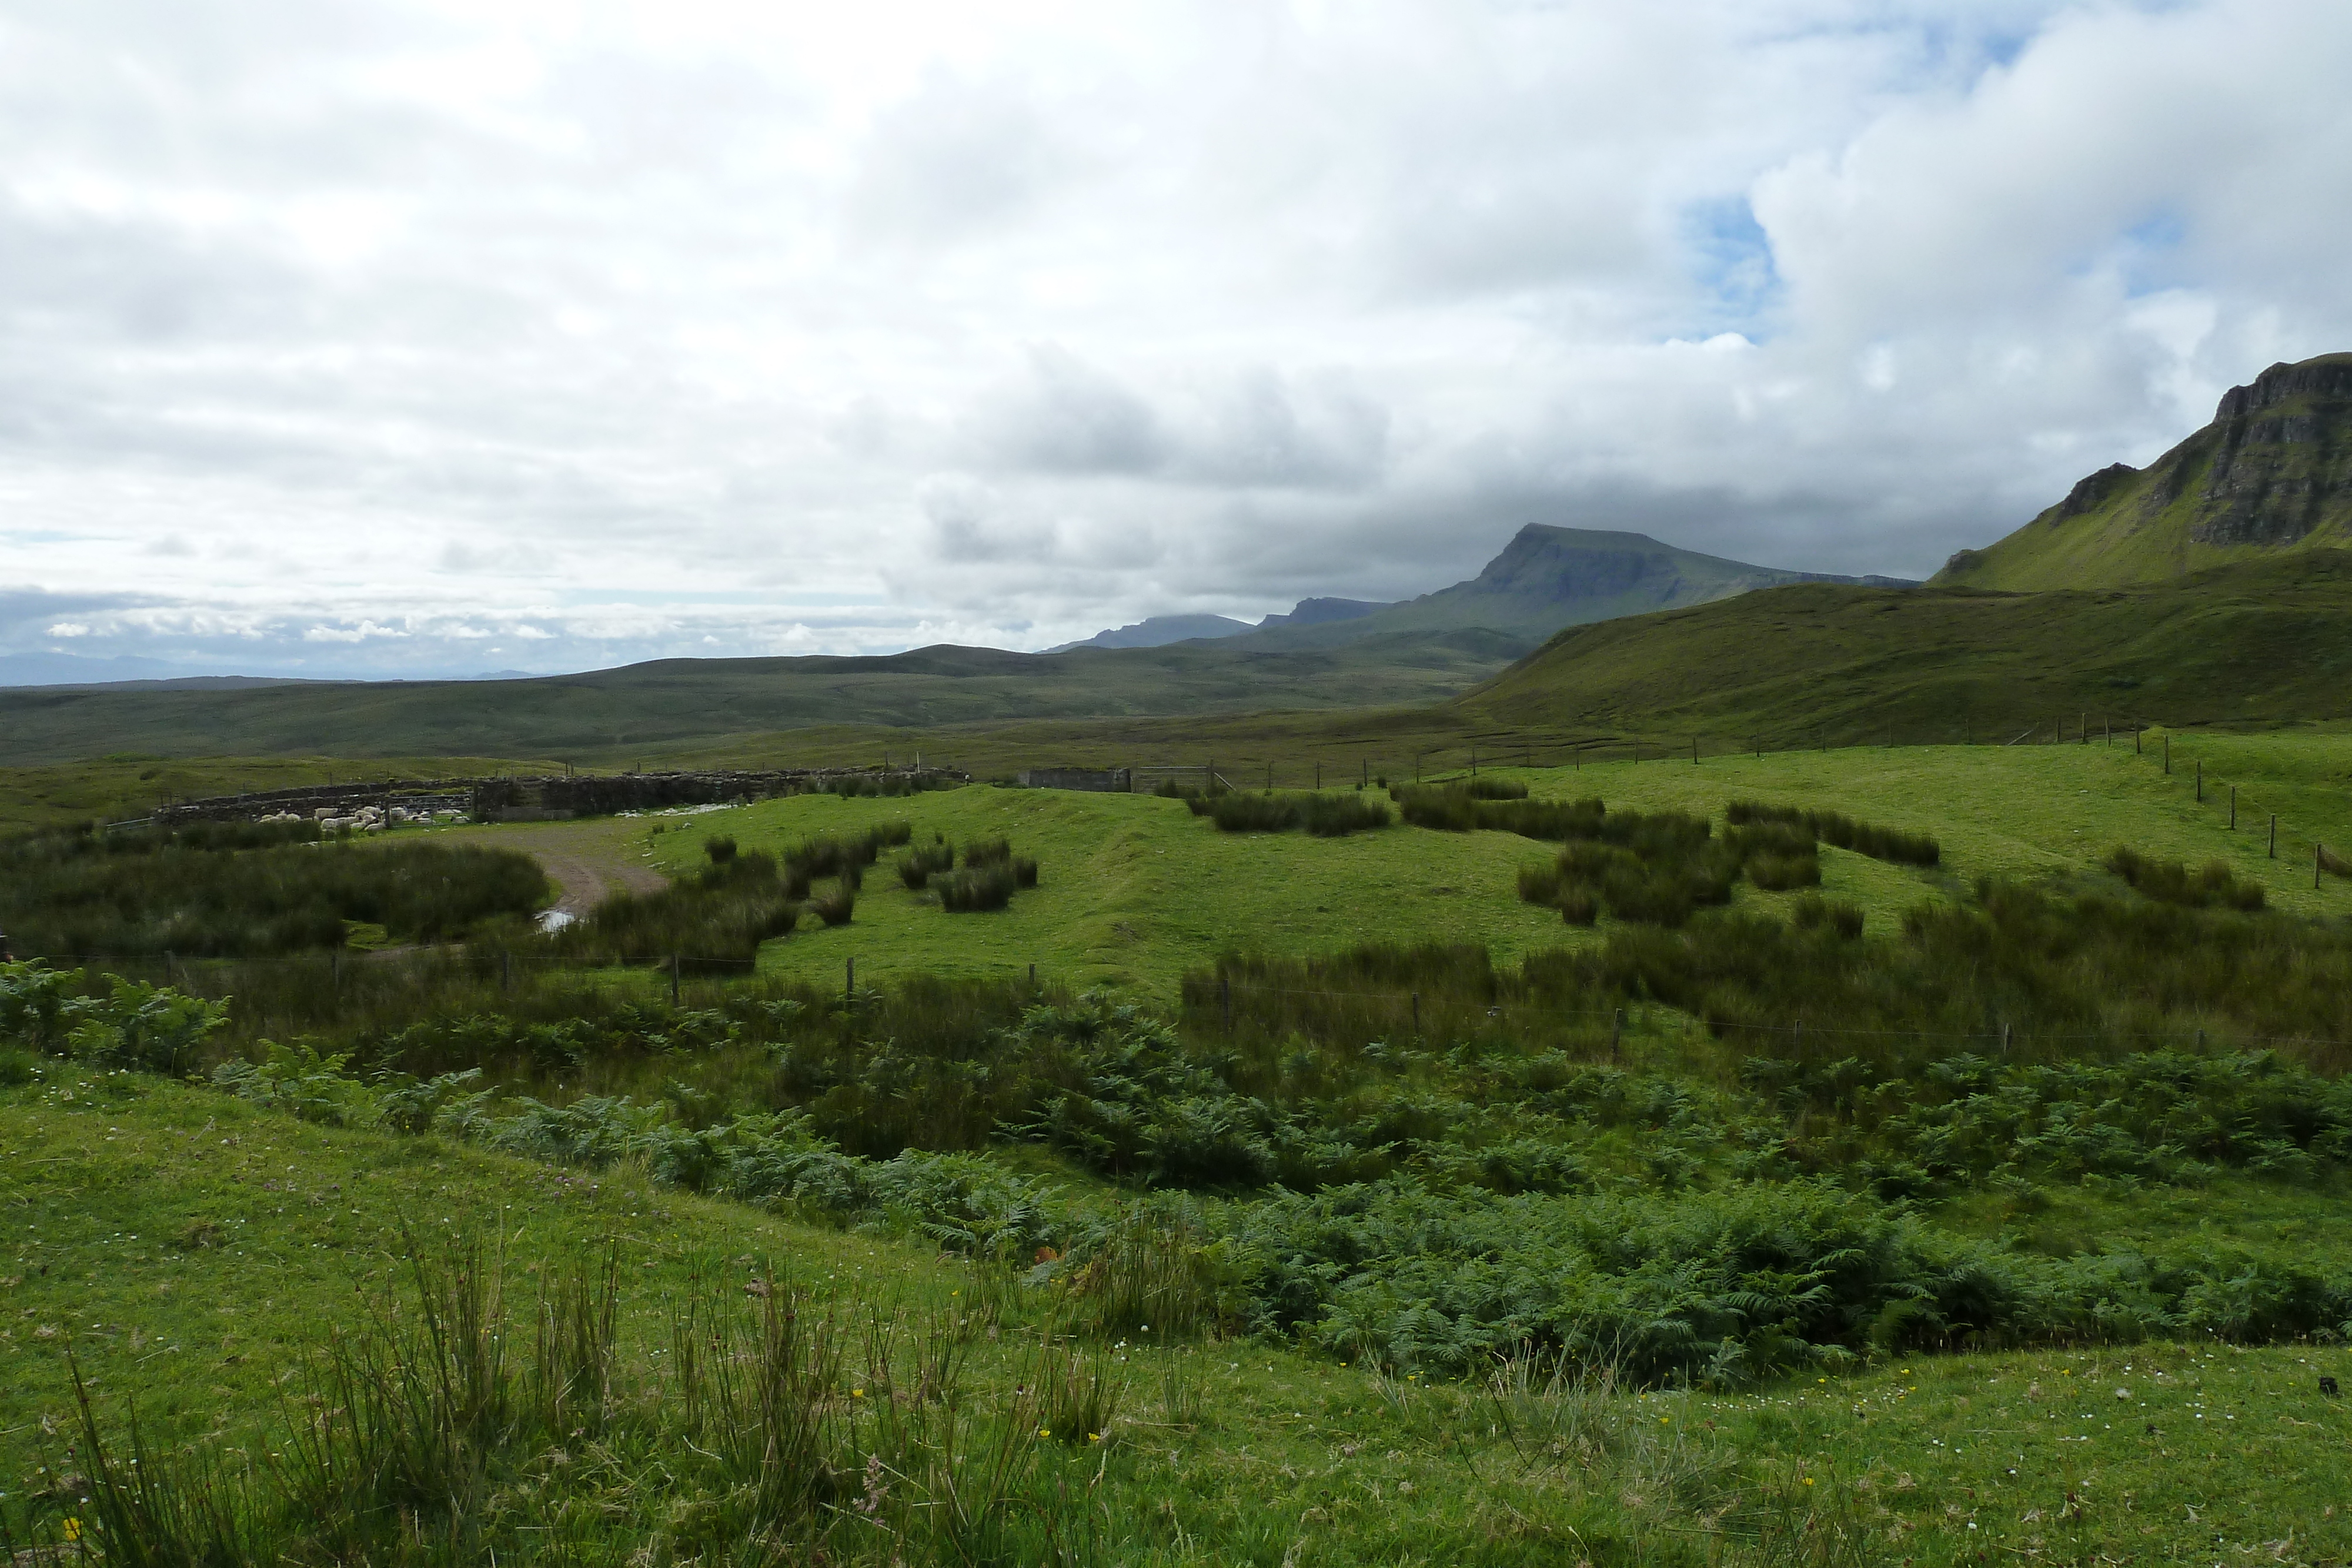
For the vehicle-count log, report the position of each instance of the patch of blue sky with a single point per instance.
(43, 536)
(1731, 262)
(2146, 258)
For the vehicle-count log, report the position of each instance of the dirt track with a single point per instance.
(588, 861)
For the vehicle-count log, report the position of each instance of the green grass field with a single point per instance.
(190, 1250)
(1134, 890)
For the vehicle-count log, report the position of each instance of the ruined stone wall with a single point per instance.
(543, 798)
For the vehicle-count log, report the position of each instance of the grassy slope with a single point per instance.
(2263, 642)
(1134, 890)
(2212, 1449)
(626, 714)
(2119, 542)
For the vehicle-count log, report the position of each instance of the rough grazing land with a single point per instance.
(1133, 889)
(188, 1249)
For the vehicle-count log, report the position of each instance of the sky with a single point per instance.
(406, 337)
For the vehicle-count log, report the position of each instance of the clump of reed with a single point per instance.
(836, 854)
(1325, 816)
(919, 865)
(984, 887)
(836, 905)
(1814, 913)
(1657, 868)
(853, 786)
(1495, 805)
(246, 890)
(720, 913)
(2210, 885)
(1841, 832)
(1777, 856)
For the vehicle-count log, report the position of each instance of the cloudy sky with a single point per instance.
(406, 336)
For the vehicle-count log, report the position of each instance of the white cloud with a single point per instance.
(387, 330)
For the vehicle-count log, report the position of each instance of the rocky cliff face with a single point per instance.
(2273, 470)
(2279, 452)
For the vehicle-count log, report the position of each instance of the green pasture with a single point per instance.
(1135, 890)
(191, 1252)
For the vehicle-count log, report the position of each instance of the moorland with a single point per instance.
(1834, 1074)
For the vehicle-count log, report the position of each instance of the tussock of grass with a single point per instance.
(1837, 828)
(1325, 816)
(2213, 884)
(721, 914)
(976, 888)
(246, 890)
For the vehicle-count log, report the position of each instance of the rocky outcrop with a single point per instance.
(2278, 453)
(2092, 492)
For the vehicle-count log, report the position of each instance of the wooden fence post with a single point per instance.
(2233, 808)
(1616, 1033)
(2200, 781)
(2318, 859)
(2273, 835)
(1416, 1015)
(1225, 1000)
(849, 983)
(1033, 976)
(673, 979)
(2167, 757)
(1694, 751)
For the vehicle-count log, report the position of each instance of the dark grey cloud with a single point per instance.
(407, 335)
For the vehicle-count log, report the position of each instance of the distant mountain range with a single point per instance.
(2272, 473)
(1545, 579)
(1159, 630)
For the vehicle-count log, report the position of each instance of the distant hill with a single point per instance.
(2260, 639)
(76, 670)
(1159, 630)
(666, 702)
(1548, 577)
(2272, 473)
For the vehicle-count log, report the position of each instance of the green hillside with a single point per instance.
(2272, 473)
(2265, 641)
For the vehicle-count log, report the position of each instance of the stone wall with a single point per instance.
(1114, 780)
(553, 797)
